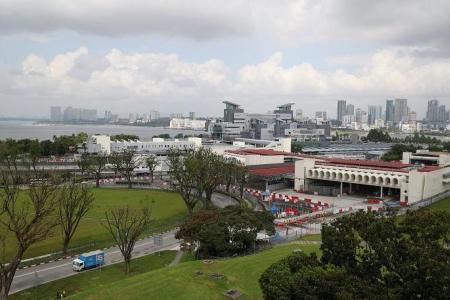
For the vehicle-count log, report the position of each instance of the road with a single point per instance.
(30, 277)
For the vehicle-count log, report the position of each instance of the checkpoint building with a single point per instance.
(403, 181)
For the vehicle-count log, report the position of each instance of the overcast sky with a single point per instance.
(181, 56)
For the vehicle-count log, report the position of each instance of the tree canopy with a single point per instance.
(225, 232)
(371, 256)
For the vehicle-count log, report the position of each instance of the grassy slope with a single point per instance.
(441, 205)
(168, 210)
(181, 282)
(94, 279)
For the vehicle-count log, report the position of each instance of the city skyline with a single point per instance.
(440, 112)
(163, 55)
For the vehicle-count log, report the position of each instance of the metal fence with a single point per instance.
(430, 200)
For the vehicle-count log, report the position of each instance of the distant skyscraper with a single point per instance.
(390, 109)
(432, 110)
(56, 114)
(401, 111)
(350, 109)
(321, 115)
(341, 109)
(442, 114)
(299, 114)
(154, 115)
(192, 115)
(374, 113)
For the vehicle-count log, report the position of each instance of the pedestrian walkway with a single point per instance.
(177, 258)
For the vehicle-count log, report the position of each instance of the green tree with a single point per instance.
(182, 178)
(151, 162)
(27, 219)
(74, 201)
(126, 226)
(97, 165)
(124, 137)
(297, 147)
(125, 163)
(224, 232)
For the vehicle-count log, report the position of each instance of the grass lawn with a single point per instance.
(92, 280)
(168, 211)
(444, 204)
(181, 282)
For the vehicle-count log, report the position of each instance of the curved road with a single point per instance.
(32, 276)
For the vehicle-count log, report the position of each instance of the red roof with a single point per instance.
(368, 163)
(272, 170)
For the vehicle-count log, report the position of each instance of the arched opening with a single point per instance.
(352, 177)
(380, 180)
(346, 176)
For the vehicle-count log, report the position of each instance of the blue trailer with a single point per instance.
(89, 260)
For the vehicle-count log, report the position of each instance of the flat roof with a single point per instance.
(231, 103)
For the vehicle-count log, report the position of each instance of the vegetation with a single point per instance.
(124, 137)
(74, 201)
(225, 232)
(296, 147)
(443, 204)
(151, 162)
(167, 212)
(195, 175)
(25, 221)
(378, 135)
(369, 256)
(124, 163)
(94, 279)
(191, 280)
(397, 150)
(126, 226)
(59, 145)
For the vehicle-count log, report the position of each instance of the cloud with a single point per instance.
(143, 81)
(196, 19)
(289, 22)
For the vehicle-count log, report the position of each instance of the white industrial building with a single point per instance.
(419, 176)
(187, 124)
(103, 144)
(403, 181)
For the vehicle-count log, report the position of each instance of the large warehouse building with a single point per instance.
(403, 181)
(419, 176)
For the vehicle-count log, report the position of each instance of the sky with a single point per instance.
(178, 56)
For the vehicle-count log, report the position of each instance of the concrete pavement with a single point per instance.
(32, 276)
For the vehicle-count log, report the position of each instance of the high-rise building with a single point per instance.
(56, 114)
(401, 111)
(79, 114)
(442, 114)
(322, 115)
(390, 110)
(154, 115)
(432, 110)
(299, 115)
(412, 118)
(192, 115)
(374, 113)
(229, 111)
(350, 109)
(341, 109)
(285, 112)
